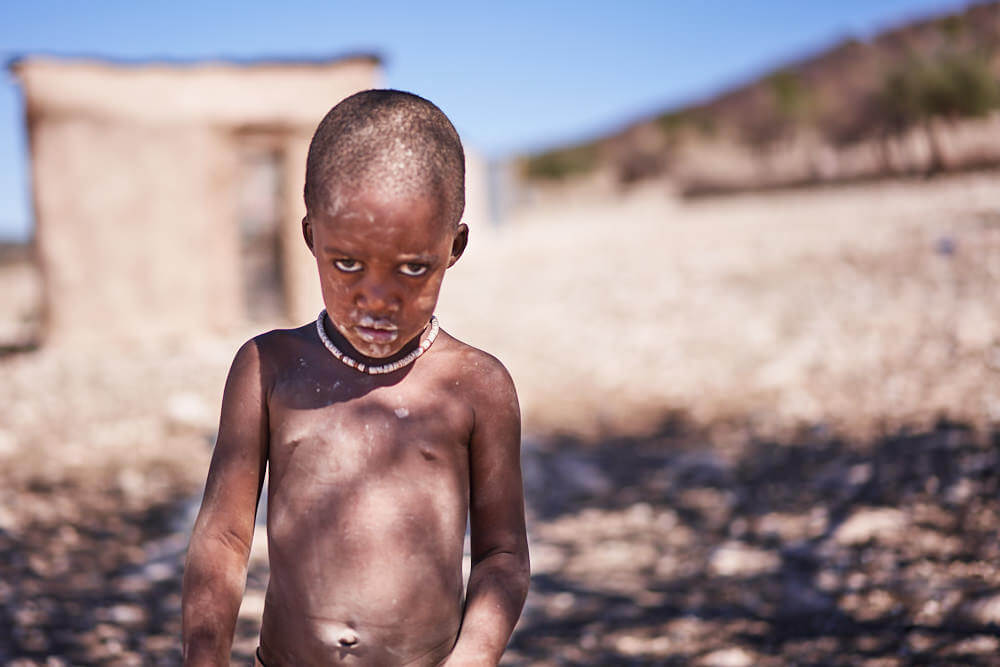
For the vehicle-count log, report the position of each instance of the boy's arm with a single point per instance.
(498, 581)
(215, 572)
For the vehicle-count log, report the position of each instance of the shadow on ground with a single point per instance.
(677, 548)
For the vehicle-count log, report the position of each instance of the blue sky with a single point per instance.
(513, 76)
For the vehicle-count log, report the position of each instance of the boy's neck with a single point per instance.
(345, 347)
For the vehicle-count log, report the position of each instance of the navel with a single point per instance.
(343, 636)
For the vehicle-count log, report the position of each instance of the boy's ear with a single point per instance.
(307, 234)
(458, 245)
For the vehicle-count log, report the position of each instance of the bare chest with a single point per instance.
(365, 475)
(333, 434)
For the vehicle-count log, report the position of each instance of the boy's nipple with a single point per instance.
(347, 638)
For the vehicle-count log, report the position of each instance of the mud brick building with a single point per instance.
(168, 197)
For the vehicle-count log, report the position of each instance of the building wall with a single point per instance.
(133, 235)
(134, 174)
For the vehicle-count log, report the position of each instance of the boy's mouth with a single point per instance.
(375, 331)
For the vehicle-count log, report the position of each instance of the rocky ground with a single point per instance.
(825, 491)
(678, 548)
(675, 549)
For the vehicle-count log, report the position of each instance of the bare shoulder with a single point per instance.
(279, 339)
(483, 378)
(274, 348)
(470, 364)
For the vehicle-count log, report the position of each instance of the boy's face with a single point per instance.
(382, 256)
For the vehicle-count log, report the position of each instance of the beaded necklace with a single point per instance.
(385, 368)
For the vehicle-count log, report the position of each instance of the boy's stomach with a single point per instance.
(364, 573)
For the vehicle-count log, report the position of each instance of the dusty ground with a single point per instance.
(759, 430)
(874, 304)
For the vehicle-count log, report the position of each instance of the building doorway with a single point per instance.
(259, 210)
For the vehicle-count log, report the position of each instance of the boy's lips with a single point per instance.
(379, 333)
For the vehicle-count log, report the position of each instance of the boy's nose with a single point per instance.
(376, 297)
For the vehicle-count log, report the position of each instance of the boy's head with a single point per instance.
(395, 139)
(385, 191)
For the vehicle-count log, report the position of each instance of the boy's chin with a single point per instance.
(378, 352)
(375, 351)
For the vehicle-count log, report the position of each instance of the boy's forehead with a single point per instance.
(370, 200)
(394, 221)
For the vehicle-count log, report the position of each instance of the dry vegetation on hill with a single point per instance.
(909, 100)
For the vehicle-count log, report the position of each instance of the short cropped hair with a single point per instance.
(391, 138)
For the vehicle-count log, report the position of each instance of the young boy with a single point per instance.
(382, 432)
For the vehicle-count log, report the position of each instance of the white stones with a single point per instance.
(985, 611)
(8, 520)
(859, 474)
(8, 443)
(131, 482)
(883, 524)
(634, 646)
(978, 645)
(561, 603)
(792, 527)
(189, 410)
(639, 515)
(126, 614)
(159, 572)
(547, 558)
(615, 556)
(737, 559)
(258, 547)
(728, 657)
(252, 605)
(960, 492)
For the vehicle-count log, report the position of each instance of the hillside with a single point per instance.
(914, 99)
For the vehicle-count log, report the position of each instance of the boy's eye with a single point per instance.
(412, 269)
(347, 265)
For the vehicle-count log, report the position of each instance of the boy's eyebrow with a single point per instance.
(329, 249)
(415, 257)
(403, 257)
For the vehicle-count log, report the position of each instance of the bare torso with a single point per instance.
(368, 499)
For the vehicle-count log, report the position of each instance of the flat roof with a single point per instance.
(264, 60)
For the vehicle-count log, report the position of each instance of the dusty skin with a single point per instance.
(371, 477)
